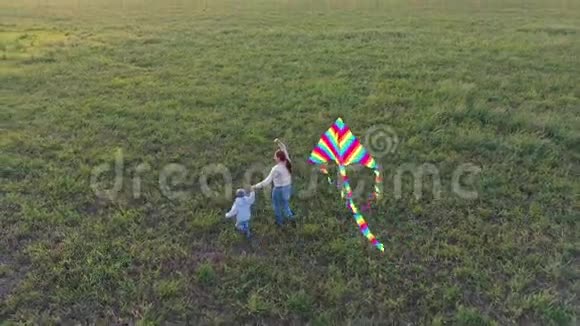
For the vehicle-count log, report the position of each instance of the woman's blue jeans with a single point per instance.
(281, 202)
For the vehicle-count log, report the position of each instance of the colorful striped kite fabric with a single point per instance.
(338, 144)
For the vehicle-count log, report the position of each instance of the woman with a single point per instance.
(281, 176)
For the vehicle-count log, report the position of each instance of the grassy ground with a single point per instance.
(491, 83)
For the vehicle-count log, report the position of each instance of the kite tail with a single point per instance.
(360, 221)
(324, 170)
(376, 194)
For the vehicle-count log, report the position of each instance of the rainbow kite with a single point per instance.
(338, 144)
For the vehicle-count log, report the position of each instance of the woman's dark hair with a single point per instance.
(282, 157)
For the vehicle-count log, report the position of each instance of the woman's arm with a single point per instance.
(266, 181)
(283, 148)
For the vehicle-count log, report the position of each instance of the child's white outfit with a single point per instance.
(241, 209)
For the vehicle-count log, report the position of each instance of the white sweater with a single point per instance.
(279, 173)
(241, 208)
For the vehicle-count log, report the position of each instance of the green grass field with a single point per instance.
(494, 84)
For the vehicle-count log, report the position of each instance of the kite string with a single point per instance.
(376, 194)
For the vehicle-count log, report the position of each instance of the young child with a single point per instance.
(241, 210)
